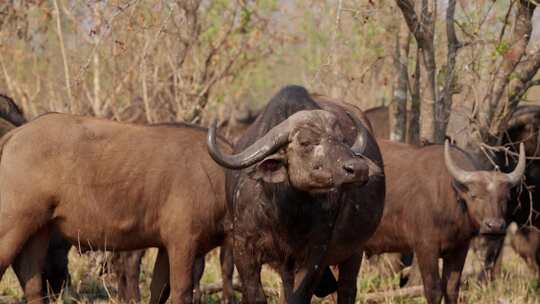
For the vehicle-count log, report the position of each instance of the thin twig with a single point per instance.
(64, 57)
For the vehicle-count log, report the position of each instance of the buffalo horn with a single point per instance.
(264, 146)
(457, 173)
(514, 177)
(360, 144)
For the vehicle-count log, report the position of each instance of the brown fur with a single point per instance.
(126, 265)
(426, 211)
(526, 242)
(379, 118)
(109, 186)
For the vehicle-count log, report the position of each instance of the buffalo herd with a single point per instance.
(306, 186)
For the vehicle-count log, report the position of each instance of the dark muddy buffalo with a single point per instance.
(437, 200)
(300, 166)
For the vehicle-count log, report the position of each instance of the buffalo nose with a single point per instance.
(349, 168)
(494, 226)
(355, 170)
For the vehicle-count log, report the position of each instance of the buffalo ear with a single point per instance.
(459, 187)
(271, 169)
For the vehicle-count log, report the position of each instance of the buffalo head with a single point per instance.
(485, 192)
(308, 150)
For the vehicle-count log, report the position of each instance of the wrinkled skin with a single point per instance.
(435, 215)
(297, 189)
(71, 163)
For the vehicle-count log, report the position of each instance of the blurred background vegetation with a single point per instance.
(154, 61)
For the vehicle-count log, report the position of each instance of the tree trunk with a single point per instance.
(507, 87)
(431, 115)
(414, 114)
(432, 122)
(450, 85)
(398, 109)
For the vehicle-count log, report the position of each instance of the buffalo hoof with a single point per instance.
(328, 284)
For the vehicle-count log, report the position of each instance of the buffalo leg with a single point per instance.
(348, 274)
(428, 260)
(306, 280)
(452, 268)
(493, 249)
(28, 265)
(56, 274)
(198, 271)
(16, 227)
(127, 268)
(227, 271)
(287, 281)
(250, 275)
(181, 260)
(159, 287)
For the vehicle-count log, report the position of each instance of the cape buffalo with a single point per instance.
(526, 242)
(300, 166)
(525, 201)
(437, 201)
(56, 270)
(113, 186)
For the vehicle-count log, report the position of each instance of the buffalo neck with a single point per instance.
(306, 216)
(459, 214)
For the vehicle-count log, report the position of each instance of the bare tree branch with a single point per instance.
(494, 111)
(398, 108)
(448, 90)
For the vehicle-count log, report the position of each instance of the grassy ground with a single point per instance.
(516, 285)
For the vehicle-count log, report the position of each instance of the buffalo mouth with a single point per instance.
(493, 233)
(323, 189)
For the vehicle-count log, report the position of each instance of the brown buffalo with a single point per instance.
(56, 273)
(112, 186)
(298, 168)
(437, 200)
(526, 242)
(525, 201)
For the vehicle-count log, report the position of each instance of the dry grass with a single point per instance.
(516, 285)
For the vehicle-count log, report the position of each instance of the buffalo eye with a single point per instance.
(270, 165)
(305, 143)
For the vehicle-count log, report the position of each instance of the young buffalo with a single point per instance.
(113, 186)
(435, 206)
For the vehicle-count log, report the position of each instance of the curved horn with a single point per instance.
(360, 143)
(457, 173)
(264, 146)
(514, 177)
